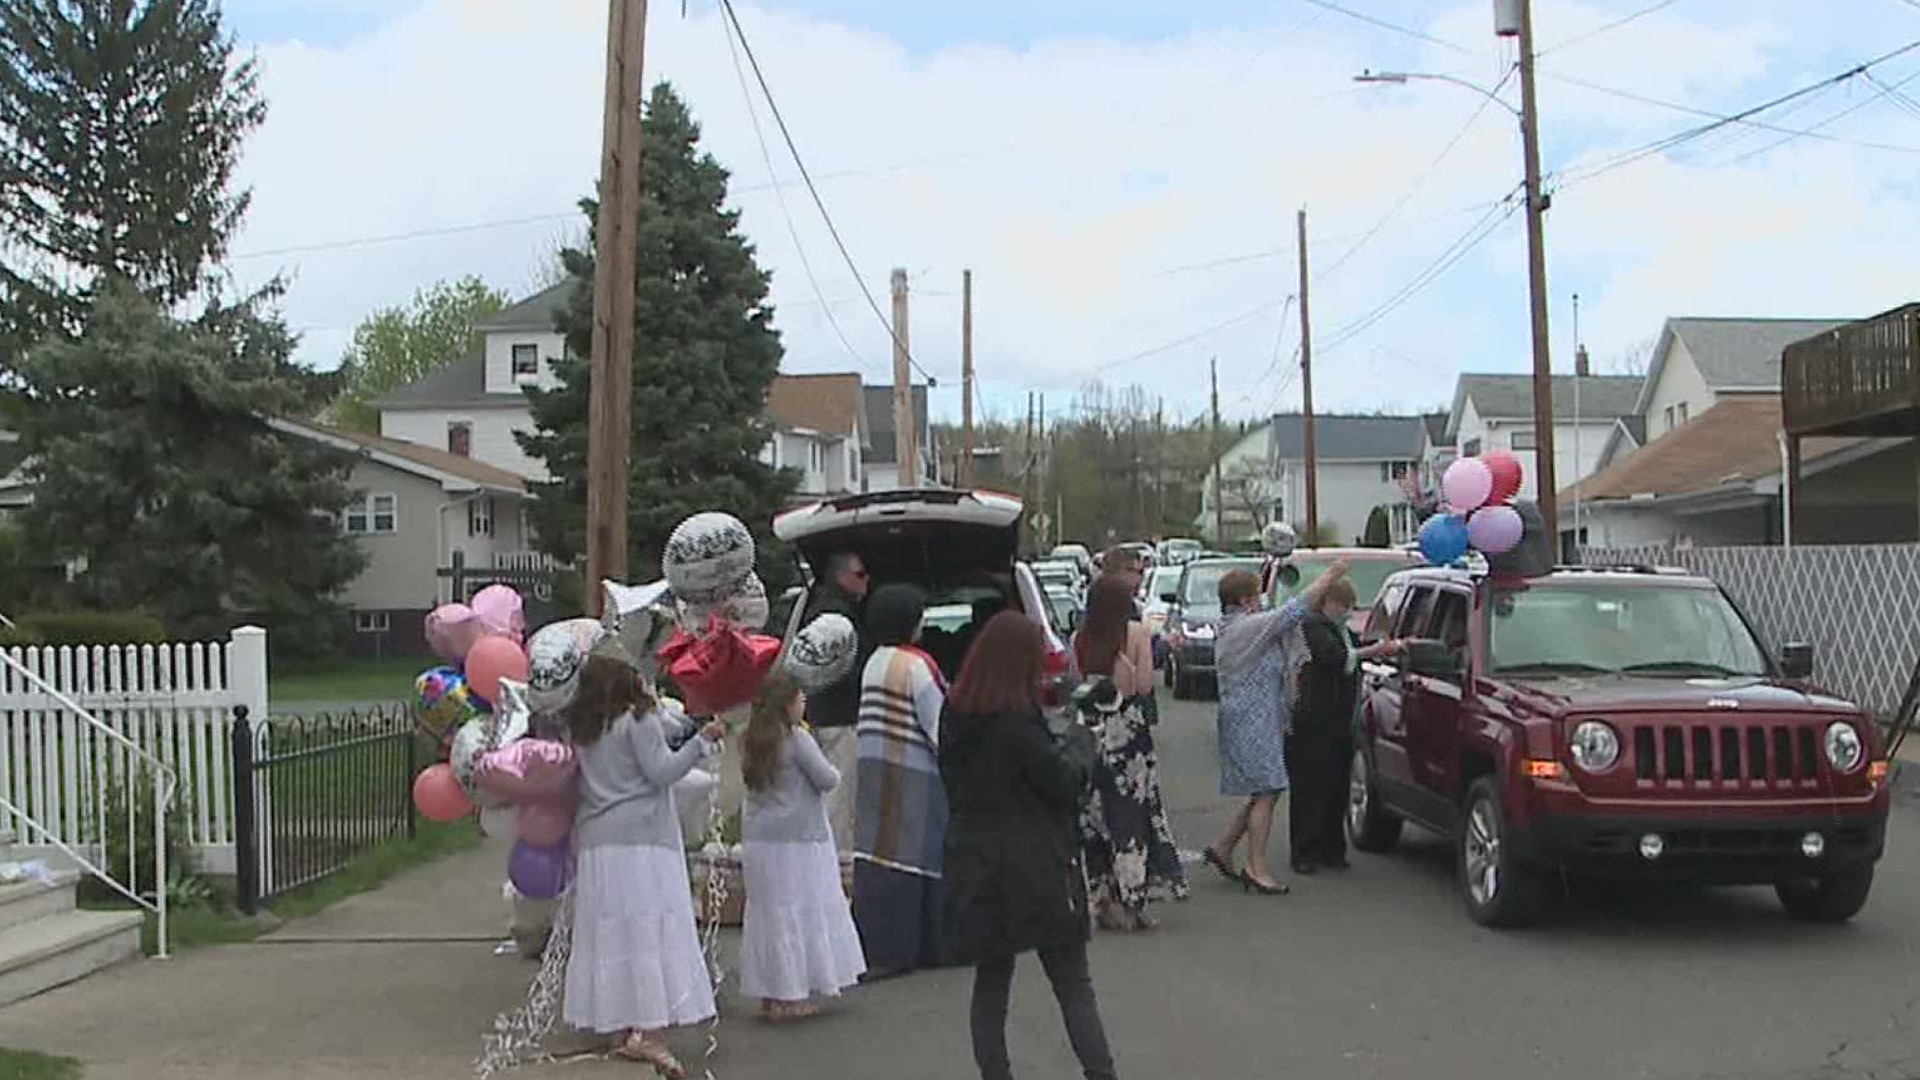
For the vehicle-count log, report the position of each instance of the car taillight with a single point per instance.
(1055, 692)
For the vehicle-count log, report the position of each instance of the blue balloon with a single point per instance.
(1443, 539)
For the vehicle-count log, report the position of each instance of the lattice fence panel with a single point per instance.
(1859, 606)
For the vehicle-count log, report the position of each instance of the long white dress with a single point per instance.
(799, 940)
(636, 962)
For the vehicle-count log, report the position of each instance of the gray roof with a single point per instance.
(1510, 397)
(538, 312)
(1346, 438)
(877, 402)
(1436, 428)
(1743, 354)
(459, 385)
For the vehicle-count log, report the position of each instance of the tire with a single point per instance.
(1834, 898)
(1166, 669)
(1497, 892)
(1370, 827)
(1181, 683)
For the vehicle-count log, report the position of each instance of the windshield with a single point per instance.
(1367, 576)
(1677, 630)
(1200, 585)
(1164, 579)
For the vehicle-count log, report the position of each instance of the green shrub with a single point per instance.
(85, 628)
(132, 827)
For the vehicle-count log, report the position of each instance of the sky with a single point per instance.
(1123, 176)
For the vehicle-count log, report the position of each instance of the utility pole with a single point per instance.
(1046, 466)
(1219, 485)
(1026, 474)
(904, 442)
(1311, 447)
(1543, 468)
(966, 377)
(1159, 469)
(610, 393)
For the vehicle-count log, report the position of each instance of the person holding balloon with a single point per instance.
(637, 967)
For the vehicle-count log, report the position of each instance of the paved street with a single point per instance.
(1373, 974)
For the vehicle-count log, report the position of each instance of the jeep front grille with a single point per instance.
(1770, 754)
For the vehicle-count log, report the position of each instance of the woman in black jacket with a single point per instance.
(1013, 875)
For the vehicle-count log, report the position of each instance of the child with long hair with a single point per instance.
(636, 967)
(799, 941)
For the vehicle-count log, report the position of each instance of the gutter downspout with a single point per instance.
(1786, 492)
(440, 543)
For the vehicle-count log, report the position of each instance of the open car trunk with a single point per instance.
(935, 538)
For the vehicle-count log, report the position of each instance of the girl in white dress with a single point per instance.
(799, 941)
(636, 968)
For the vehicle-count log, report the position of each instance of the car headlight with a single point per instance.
(1844, 748)
(1197, 631)
(1594, 745)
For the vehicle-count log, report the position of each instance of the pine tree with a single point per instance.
(706, 355)
(121, 123)
(1379, 532)
(152, 460)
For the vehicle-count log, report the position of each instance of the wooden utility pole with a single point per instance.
(1543, 468)
(1046, 465)
(610, 393)
(1026, 473)
(1159, 470)
(904, 443)
(1219, 480)
(966, 377)
(1311, 448)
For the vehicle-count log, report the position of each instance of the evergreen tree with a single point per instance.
(153, 461)
(706, 355)
(1379, 529)
(121, 123)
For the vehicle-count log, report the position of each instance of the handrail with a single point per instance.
(166, 783)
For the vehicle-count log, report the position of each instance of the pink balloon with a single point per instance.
(436, 792)
(1467, 485)
(543, 824)
(1495, 530)
(501, 612)
(451, 631)
(530, 770)
(492, 659)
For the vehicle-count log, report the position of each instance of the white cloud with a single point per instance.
(1072, 174)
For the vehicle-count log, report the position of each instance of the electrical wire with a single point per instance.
(1898, 96)
(813, 190)
(1614, 25)
(1882, 92)
(1385, 25)
(1177, 342)
(793, 230)
(1420, 181)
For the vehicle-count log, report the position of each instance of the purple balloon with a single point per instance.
(1495, 530)
(539, 873)
(1467, 485)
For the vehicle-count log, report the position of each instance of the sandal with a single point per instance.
(637, 1048)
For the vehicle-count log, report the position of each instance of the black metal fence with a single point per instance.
(309, 793)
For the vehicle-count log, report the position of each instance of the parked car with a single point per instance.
(1065, 608)
(1154, 607)
(1062, 573)
(1286, 578)
(1078, 554)
(957, 545)
(1611, 724)
(1193, 614)
(1179, 550)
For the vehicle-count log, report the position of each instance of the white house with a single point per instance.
(1495, 412)
(473, 406)
(1362, 463)
(882, 455)
(819, 432)
(1708, 468)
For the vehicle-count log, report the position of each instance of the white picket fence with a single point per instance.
(175, 700)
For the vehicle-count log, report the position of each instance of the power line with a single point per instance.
(819, 203)
(1420, 181)
(1882, 92)
(1385, 25)
(1177, 342)
(1614, 25)
(766, 155)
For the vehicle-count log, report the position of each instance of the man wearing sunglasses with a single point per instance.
(833, 710)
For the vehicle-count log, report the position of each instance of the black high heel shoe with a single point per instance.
(1220, 866)
(1248, 884)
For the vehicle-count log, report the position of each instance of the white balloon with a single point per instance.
(823, 652)
(554, 655)
(707, 556)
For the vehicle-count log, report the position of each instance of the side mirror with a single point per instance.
(1796, 660)
(1432, 659)
(1169, 598)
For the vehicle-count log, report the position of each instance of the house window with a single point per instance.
(371, 622)
(1669, 415)
(1470, 448)
(1682, 407)
(480, 517)
(526, 360)
(1394, 470)
(1523, 438)
(371, 515)
(460, 438)
(813, 457)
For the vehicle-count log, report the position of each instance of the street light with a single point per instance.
(1514, 18)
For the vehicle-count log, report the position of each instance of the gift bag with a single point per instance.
(720, 669)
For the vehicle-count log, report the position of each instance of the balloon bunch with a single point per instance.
(718, 657)
(464, 705)
(1479, 514)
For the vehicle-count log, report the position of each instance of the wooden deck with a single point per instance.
(1862, 379)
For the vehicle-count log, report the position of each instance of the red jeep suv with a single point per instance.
(1610, 723)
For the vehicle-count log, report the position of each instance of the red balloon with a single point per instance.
(436, 791)
(1506, 476)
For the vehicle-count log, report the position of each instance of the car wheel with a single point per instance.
(1166, 670)
(1179, 680)
(1497, 891)
(1370, 827)
(1834, 898)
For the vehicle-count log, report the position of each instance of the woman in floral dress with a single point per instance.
(1128, 844)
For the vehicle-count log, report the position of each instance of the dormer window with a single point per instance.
(460, 438)
(526, 361)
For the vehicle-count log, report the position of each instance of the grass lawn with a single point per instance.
(347, 681)
(26, 1065)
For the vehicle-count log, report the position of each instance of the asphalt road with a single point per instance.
(1378, 973)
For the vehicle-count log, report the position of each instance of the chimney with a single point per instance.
(1580, 366)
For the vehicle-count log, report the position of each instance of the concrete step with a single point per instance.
(34, 899)
(58, 949)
